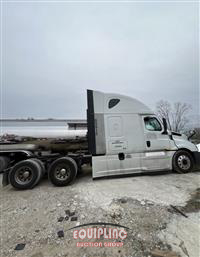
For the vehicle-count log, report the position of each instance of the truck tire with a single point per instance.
(41, 172)
(62, 171)
(41, 165)
(4, 163)
(25, 174)
(183, 162)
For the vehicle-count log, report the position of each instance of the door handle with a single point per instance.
(121, 156)
(148, 143)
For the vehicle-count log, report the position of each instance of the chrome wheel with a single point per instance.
(23, 175)
(62, 172)
(184, 162)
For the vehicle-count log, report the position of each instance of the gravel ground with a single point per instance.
(141, 203)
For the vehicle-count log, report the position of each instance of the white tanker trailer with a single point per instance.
(42, 132)
(124, 137)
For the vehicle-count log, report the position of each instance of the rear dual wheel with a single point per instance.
(26, 174)
(62, 171)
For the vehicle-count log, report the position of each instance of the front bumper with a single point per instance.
(197, 159)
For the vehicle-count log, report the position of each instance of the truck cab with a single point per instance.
(126, 137)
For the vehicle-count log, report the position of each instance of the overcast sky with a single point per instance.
(53, 52)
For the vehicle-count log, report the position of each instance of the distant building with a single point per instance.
(77, 124)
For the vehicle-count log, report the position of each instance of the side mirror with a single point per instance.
(165, 126)
(191, 134)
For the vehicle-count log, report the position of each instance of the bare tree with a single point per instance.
(175, 115)
(164, 110)
(179, 119)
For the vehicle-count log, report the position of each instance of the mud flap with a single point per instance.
(5, 180)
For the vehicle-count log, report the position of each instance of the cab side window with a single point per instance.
(152, 124)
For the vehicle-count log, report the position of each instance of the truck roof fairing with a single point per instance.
(116, 103)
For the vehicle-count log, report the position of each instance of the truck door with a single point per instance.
(156, 144)
(155, 140)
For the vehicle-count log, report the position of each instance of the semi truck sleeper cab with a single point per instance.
(124, 137)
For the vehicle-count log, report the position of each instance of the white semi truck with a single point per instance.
(124, 137)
